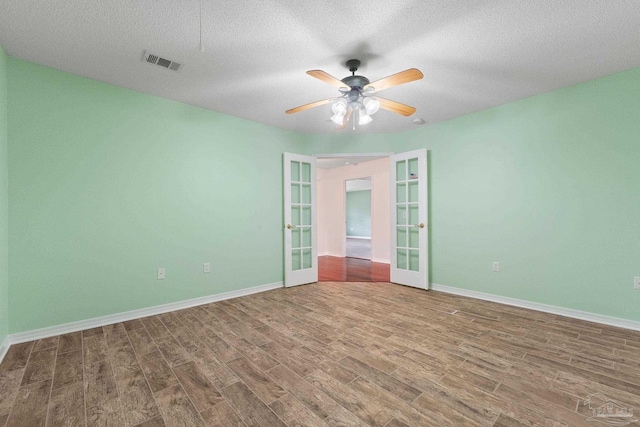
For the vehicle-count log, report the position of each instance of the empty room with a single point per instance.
(391, 214)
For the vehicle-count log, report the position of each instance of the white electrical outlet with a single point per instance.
(207, 267)
(496, 266)
(636, 283)
(161, 274)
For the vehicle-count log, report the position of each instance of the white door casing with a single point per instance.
(409, 222)
(300, 228)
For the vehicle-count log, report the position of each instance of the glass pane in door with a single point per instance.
(401, 170)
(402, 259)
(295, 193)
(306, 258)
(413, 192)
(295, 215)
(306, 215)
(295, 171)
(306, 172)
(414, 260)
(401, 214)
(414, 214)
(401, 238)
(401, 193)
(295, 237)
(295, 259)
(306, 194)
(414, 235)
(306, 237)
(412, 165)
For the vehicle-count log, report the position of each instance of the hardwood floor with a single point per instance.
(327, 354)
(336, 269)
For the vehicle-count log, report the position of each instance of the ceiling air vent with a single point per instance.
(165, 63)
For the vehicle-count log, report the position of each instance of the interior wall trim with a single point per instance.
(4, 347)
(80, 325)
(331, 254)
(546, 308)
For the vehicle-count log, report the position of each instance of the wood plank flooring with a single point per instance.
(336, 269)
(327, 354)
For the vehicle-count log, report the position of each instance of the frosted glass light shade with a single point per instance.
(338, 119)
(372, 105)
(340, 107)
(363, 117)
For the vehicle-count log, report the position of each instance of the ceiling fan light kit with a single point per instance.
(356, 96)
(371, 104)
(363, 117)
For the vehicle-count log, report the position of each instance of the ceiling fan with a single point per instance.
(357, 96)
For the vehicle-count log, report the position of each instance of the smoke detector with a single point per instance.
(162, 62)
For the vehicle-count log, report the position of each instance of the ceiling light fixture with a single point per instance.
(356, 95)
(354, 102)
(372, 105)
(339, 111)
(364, 117)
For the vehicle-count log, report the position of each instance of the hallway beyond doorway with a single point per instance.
(358, 248)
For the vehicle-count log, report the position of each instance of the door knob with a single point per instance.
(289, 226)
(421, 225)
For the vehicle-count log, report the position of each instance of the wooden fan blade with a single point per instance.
(396, 107)
(397, 79)
(327, 78)
(310, 105)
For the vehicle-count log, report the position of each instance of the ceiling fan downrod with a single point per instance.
(353, 81)
(353, 65)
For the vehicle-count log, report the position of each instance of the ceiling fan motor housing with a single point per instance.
(356, 81)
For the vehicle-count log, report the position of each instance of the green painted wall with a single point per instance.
(358, 208)
(107, 185)
(549, 186)
(4, 201)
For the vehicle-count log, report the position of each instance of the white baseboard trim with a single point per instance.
(130, 315)
(331, 254)
(359, 237)
(4, 347)
(567, 312)
(381, 260)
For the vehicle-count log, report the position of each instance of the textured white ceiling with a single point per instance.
(474, 54)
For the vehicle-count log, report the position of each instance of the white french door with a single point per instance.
(409, 251)
(300, 229)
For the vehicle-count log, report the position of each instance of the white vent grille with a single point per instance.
(162, 62)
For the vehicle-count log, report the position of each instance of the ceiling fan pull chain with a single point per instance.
(201, 42)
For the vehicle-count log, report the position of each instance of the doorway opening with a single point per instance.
(400, 209)
(358, 218)
(353, 208)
